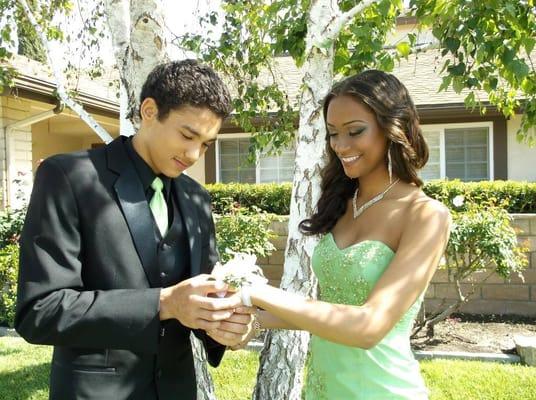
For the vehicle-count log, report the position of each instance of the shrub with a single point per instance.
(245, 230)
(9, 267)
(482, 241)
(11, 222)
(515, 197)
(272, 198)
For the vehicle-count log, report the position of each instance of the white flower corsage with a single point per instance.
(241, 272)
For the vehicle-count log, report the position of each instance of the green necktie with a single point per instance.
(158, 206)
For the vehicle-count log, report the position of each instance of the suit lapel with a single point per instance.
(191, 220)
(135, 209)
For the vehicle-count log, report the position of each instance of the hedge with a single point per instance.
(272, 198)
(515, 197)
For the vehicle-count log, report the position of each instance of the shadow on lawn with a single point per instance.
(8, 351)
(23, 383)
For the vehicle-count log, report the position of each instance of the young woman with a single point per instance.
(382, 239)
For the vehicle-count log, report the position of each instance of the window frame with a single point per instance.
(227, 136)
(458, 125)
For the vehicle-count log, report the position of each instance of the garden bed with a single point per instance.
(476, 334)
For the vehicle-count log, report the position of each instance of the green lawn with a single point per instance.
(24, 376)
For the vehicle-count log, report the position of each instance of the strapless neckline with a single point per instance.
(358, 244)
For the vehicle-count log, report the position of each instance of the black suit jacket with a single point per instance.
(88, 284)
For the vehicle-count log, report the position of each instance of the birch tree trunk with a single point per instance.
(138, 36)
(280, 375)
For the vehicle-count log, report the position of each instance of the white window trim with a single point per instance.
(226, 136)
(443, 127)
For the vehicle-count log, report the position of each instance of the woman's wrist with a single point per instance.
(258, 294)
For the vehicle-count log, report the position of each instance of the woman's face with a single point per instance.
(355, 137)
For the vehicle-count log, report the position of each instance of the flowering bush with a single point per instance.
(481, 240)
(244, 230)
(9, 266)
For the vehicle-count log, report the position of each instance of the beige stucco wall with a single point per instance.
(521, 158)
(27, 145)
(47, 143)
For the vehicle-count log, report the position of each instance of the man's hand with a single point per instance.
(237, 330)
(189, 303)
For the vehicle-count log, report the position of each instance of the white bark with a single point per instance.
(205, 386)
(60, 78)
(138, 38)
(284, 354)
(118, 17)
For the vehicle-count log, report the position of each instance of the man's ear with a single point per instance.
(148, 109)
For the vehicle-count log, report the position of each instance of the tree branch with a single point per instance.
(60, 79)
(336, 24)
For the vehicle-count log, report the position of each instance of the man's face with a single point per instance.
(172, 145)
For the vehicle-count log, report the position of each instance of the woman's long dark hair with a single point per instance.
(397, 118)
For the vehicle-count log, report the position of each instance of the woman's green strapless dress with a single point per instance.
(337, 372)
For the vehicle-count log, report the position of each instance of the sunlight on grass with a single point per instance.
(468, 380)
(24, 371)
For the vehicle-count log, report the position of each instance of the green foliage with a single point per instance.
(271, 198)
(244, 230)
(9, 267)
(7, 73)
(482, 243)
(487, 45)
(482, 239)
(29, 44)
(514, 197)
(245, 52)
(49, 15)
(361, 44)
(11, 222)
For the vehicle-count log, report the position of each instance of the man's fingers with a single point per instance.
(246, 310)
(214, 315)
(207, 325)
(205, 286)
(243, 319)
(216, 304)
(231, 327)
(220, 335)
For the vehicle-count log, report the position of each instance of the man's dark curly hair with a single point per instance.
(187, 82)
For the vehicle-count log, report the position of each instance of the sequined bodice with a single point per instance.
(386, 371)
(344, 275)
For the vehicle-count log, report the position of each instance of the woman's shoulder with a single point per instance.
(424, 209)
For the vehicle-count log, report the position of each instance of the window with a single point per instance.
(231, 153)
(459, 151)
(232, 161)
(278, 168)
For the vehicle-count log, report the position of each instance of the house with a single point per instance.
(463, 144)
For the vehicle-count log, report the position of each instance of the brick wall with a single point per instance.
(496, 296)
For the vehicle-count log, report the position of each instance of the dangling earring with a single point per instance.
(389, 164)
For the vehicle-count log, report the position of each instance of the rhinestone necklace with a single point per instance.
(360, 210)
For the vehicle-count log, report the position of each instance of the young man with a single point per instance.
(116, 247)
